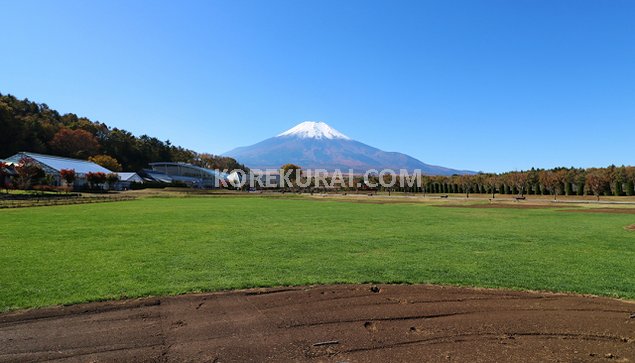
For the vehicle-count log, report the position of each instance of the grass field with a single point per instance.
(157, 246)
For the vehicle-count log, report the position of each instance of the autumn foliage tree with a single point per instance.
(106, 161)
(290, 170)
(69, 176)
(112, 179)
(74, 143)
(597, 180)
(552, 181)
(519, 181)
(211, 161)
(491, 182)
(96, 180)
(466, 182)
(28, 172)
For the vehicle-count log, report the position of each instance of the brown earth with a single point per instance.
(342, 323)
(369, 200)
(512, 205)
(522, 205)
(601, 210)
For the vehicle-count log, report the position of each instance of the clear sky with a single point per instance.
(481, 85)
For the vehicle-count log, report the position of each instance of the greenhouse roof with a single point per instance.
(58, 163)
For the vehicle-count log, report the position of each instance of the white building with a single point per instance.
(127, 178)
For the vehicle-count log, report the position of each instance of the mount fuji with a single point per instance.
(316, 145)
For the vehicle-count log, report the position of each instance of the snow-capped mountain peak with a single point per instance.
(316, 145)
(314, 130)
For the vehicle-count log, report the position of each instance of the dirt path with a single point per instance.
(343, 323)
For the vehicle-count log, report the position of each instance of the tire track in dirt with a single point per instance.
(353, 323)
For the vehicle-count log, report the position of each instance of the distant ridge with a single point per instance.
(316, 145)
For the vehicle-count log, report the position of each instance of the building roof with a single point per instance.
(157, 176)
(58, 163)
(129, 176)
(9, 168)
(210, 172)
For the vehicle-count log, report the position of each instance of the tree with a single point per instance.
(477, 182)
(491, 182)
(630, 180)
(95, 180)
(28, 172)
(533, 182)
(112, 179)
(106, 161)
(579, 179)
(425, 181)
(466, 182)
(69, 176)
(553, 181)
(291, 171)
(519, 181)
(597, 180)
(618, 176)
(74, 143)
(3, 175)
(504, 183)
(211, 161)
(569, 177)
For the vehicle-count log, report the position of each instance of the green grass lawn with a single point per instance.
(158, 246)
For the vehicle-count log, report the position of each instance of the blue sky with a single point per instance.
(480, 85)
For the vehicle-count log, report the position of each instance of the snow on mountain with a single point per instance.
(316, 145)
(314, 130)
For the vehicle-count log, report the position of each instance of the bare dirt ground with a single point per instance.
(601, 210)
(342, 323)
(503, 206)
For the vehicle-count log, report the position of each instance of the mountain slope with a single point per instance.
(316, 145)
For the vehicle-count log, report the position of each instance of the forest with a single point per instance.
(29, 126)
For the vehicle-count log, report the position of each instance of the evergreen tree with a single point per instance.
(617, 189)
